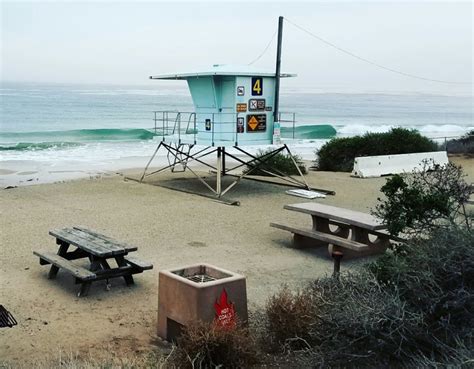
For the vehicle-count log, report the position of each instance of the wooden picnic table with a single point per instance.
(99, 250)
(349, 231)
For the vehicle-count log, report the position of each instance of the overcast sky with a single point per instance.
(125, 42)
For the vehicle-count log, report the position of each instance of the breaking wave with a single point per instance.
(61, 139)
(308, 132)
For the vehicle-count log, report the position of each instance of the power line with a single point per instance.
(371, 62)
(264, 50)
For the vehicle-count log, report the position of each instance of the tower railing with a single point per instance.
(185, 127)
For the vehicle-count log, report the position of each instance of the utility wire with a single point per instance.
(371, 62)
(264, 50)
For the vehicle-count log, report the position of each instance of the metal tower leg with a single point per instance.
(149, 162)
(297, 167)
(219, 172)
(223, 161)
(182, 157)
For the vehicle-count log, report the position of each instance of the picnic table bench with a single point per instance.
(352, 232)
(96, 247)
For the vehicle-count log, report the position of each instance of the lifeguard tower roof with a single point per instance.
(224, 70)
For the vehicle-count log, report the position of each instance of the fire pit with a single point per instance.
(199, 292)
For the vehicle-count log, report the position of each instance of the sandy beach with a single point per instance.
(170, 229)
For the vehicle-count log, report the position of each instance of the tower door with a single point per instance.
(227, 108)
(227, 96)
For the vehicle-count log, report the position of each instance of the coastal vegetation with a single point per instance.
(204, 345)
(424, 200)
(463, 145)
(412, 307)
(338, 154)
(279, 163)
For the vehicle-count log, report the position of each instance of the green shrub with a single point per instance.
(423, 200)
(279, 162)
(338, 154)
(463, 145)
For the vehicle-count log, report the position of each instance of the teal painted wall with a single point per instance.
(215, 98)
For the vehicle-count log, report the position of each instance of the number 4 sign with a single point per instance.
(257, 86)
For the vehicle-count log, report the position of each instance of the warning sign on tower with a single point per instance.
(256, 123)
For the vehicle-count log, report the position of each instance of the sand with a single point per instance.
(170, 229)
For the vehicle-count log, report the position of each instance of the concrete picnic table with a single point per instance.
(351, 232)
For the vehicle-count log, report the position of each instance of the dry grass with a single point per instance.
(206, 345)
(289, 316)
(112, 361)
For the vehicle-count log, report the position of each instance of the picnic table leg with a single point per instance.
(377, 246)
(96, 263)
(85, 286)
(63, 246)
(104, 264)
(356, 234)
(121, 263)
(360, 235)
(322, 225)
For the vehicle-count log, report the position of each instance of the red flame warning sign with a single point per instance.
(225, 311)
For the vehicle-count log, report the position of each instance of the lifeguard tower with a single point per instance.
(234, 107)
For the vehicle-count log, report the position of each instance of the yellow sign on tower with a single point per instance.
(256, 123)
(253, 123)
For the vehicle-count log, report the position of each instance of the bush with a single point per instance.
(207, 345)
(347, 322)
(339, 153)
(463, 145)
(413, 307)
(361, 323)
(435, 278)
(423, 200)
(279, 162)
(288, 317)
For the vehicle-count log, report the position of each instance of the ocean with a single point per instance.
(54, 132)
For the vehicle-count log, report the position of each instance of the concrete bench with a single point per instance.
(324, 237)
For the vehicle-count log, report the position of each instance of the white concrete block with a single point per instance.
(377, 166)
